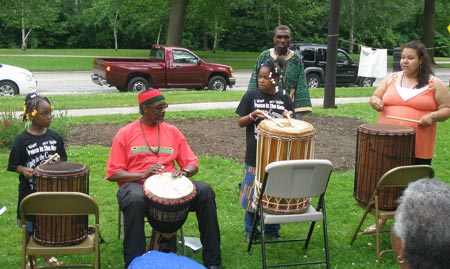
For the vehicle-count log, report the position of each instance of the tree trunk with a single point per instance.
(205, 35)
(215, 34)
(116, 46)
(24, 42)
(176, 22)
(352, 26)
(429, 12)
(330, 77)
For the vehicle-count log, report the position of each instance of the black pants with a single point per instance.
(134, 205)
(418, 161)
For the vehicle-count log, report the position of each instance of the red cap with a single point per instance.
(149, 96)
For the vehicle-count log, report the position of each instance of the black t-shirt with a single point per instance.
(272, 104)
(31, 150)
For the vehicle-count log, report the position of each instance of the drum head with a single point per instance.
(165, 186)
(382, 128)
(283, 127)
(60, 168)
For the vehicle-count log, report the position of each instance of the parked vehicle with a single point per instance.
(167, 67)
(15, 80)
(315, 58)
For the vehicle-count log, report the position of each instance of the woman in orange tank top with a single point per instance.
(415, 98)
(414, 94)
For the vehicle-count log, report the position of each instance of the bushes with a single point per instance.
(12, 124)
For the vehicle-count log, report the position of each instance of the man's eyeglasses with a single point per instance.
(160, 107)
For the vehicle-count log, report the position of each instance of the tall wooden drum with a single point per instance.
(381, 147)
(277, 140)
(58, 177)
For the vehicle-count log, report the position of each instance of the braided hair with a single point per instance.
(31, 105)
(276, 70)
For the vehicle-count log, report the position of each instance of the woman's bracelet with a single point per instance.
(433, 118)
(186, 172)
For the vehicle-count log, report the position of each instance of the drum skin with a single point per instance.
(277, 140)
(59, 177)
(169, 200)
(381, 147)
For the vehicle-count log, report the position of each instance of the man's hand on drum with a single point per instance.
(178, 173)
(154, 169)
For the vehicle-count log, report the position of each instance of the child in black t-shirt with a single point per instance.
(33, 147)
(254, 106)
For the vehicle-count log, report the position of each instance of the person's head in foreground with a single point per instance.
(420, 235)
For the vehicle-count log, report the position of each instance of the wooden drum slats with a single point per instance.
(381, 147)
(276, 143)
(58, 177)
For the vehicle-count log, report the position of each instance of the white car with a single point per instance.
(15, 80)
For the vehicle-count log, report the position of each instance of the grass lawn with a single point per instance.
(223, 175)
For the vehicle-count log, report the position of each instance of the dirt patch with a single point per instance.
(335, 139)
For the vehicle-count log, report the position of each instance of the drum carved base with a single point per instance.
(164, 242)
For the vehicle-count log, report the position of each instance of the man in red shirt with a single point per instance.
(146, 147)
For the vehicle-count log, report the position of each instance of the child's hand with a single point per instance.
(27, 172)
(258, 114)
(287, 114)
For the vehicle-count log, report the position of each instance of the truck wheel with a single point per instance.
(138, 84)
(365, 82)
(312, 81)
(8, 88)
(217, 83)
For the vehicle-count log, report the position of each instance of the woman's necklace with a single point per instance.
(146, 142)
(402, 79)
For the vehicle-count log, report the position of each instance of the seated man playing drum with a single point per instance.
(147, 147)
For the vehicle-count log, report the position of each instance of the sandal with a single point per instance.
(28, 266)
(52, 261)
(372, 228)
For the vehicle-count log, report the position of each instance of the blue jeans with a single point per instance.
(271, 229)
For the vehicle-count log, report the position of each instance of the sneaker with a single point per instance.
(255, 239)
(274, 237)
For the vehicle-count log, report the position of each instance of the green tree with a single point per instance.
(29, 15)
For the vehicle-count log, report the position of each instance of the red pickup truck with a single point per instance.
(167, 67)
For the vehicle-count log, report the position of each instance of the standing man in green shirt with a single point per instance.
(293, 80)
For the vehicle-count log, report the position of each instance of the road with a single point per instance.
(80, 82)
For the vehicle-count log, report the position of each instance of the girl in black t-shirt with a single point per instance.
(33, 147)
(254, 106)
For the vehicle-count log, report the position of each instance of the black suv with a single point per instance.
(314, 57)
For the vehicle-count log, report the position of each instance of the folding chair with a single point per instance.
(60, 204)
(399, 176)
(295, 179)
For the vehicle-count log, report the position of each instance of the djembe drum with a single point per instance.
(381, 147)
(169, 201)
(278, 140)
(58, 177)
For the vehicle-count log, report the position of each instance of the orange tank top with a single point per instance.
(413, 107)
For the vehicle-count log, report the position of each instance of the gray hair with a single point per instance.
(422, 222)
